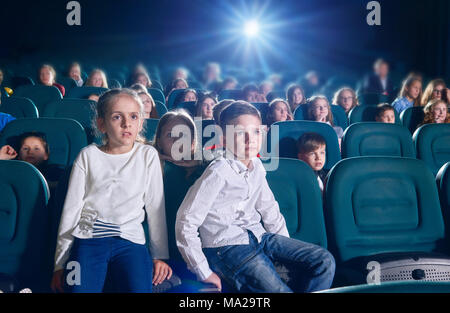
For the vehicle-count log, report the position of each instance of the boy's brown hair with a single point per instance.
(309, 142)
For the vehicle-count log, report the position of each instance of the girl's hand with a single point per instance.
(57, 281)
(161, 271)
(215, 280)
(7, 153)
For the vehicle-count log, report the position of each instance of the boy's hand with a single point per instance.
(7, 153)
(161, 271)
(215, 280)
(57, 281)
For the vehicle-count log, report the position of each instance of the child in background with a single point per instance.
(319, 110)
(205, 105)
(385, 113)
(97, 78)
(149, 105)
(345, 98)
(436, 90)
(142, 78)
(74, 72)
(410, 94)
(278, 111)
(311, 149)
(295, 96)
(47, 77)
(251, 94)
(229, 226)
(436, 111)
(101, 223)
(188, 95)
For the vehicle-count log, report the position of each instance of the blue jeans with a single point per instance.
(129, 265)
(250, 268)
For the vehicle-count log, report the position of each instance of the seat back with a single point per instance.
(65, 137)
(275, 94)
(84, 92)
(372, 99)
(157, 95)
(381, 205)
(432, 143)
(150, 125)
(443, 183)
(290, 131)
(80, 110)
(17, 81)
(300, 200)
(40, 95)
(161, 108)
(67, 82)
(377, 139)
(172, 96)
(233, 94)
(19, 107)
(24, 225)
(367, 114)
(189, 106)
(412, 117)
(339, 117)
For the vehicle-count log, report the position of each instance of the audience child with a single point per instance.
(229, 219)
(435, 90)
(188, 95)
(74, 72)
(97, 78)
(385, 113)
(149, 105)
(47, 76)
(319, 110)
(436, 111)
(251, 94)
(205, 105)
(311, 148)
(109, 187)
(278, 111)
(295, 96)
(410, 94)
(346, 99)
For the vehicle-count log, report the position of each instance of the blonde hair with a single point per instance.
(95, 71)
(428, 93)
(338, 93)
(104, 103)
(428, 110)
(153, 113)
(51, 69)
(407, 83)
(312, 101)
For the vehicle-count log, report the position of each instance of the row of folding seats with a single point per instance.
(376, 208)
(430, 143)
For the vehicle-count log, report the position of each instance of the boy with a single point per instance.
(228, 206)
(385, 113)
(311, 149)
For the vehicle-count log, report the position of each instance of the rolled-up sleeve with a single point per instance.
(191, 215)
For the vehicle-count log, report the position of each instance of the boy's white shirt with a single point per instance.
(114, 189)
(225, 202)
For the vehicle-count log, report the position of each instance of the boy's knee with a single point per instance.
(328, 262)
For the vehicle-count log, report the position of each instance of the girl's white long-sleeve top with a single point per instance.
(106, 197)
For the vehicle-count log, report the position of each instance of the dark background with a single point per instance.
(331, 36)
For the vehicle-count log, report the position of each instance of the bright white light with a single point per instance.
(251, 28)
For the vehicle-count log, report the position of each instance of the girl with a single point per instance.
(97, 78)
(74, 72)
(164, 139)
(410, 94)
(346, 98)
(436, 112)
(278, 111)
(205, 105)
(47, 76)
(178, 83)
(295, 96)
(149, 105)
(142, 78)
(188, 95)
(101, 223)
(319, 110)
(436, 90)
